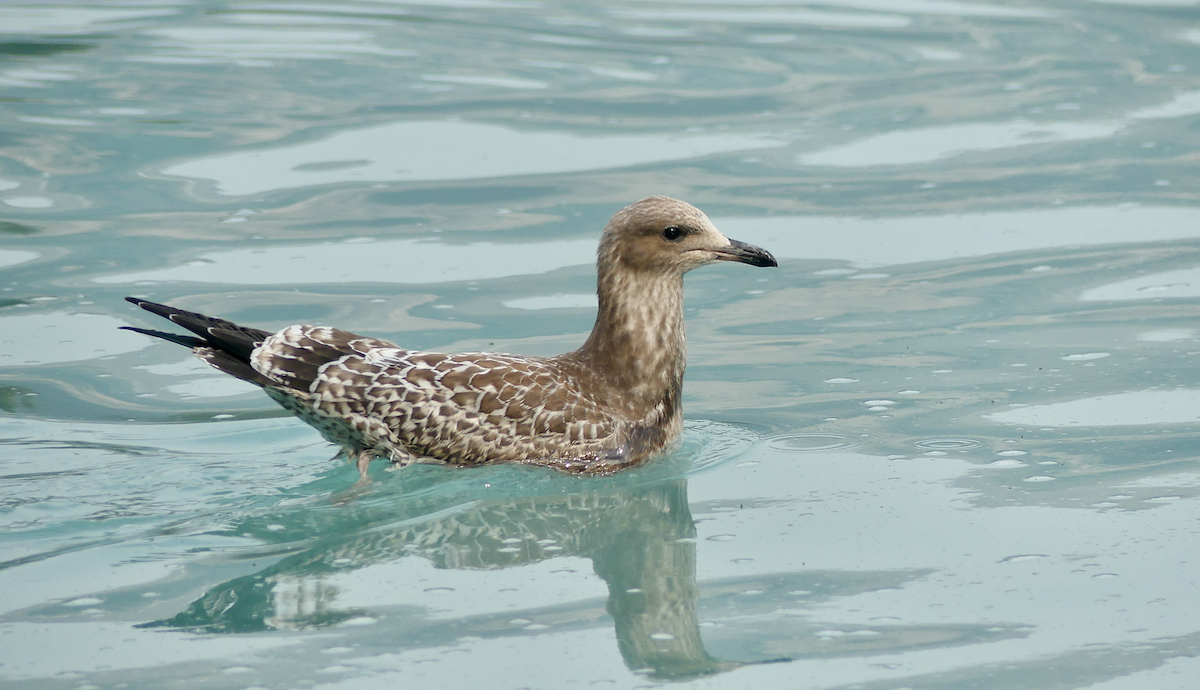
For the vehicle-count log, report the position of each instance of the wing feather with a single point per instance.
(465, 408)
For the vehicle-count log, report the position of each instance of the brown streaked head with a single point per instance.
(671, 237)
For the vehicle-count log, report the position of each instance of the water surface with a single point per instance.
(951, 441)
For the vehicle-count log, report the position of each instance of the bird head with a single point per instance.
(671, 237)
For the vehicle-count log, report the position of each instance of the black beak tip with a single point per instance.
(749, 254)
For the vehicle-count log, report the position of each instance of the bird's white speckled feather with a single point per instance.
(466, 408)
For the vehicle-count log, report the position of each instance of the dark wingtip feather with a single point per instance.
(218, 333)
(163, 310)
(185, 340)
(230, 364)
(223, 344)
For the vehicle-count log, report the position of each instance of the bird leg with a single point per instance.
(364, 458)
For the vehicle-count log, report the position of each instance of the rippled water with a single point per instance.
(951, 441)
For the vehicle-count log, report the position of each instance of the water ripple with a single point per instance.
(945, 444)
(815, 442)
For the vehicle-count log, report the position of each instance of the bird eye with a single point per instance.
(672, 234)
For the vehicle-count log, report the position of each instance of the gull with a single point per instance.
(613, 403)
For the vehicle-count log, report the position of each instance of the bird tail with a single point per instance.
(223, 344)
(184, 340)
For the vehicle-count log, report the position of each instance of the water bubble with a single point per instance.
(360, 620)
(662, 636)
(1012, 453)
(1039, 478)
(1006, 463)
(84, 601)
(722, 537)
(841, 380)
(1086, 356)
(1023, 557)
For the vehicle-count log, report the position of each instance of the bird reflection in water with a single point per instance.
(640, 540)
(639, 535)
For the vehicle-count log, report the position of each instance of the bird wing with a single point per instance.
(467, 408)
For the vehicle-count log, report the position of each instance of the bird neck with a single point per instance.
(638, 347)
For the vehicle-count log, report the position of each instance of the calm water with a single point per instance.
(952, 441)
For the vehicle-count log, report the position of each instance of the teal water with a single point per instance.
(952, 441)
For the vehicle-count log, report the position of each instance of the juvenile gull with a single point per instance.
(610, 404)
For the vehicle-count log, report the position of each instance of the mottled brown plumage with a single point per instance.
(610, 404)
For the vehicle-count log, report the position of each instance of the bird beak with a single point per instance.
(746, 254)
